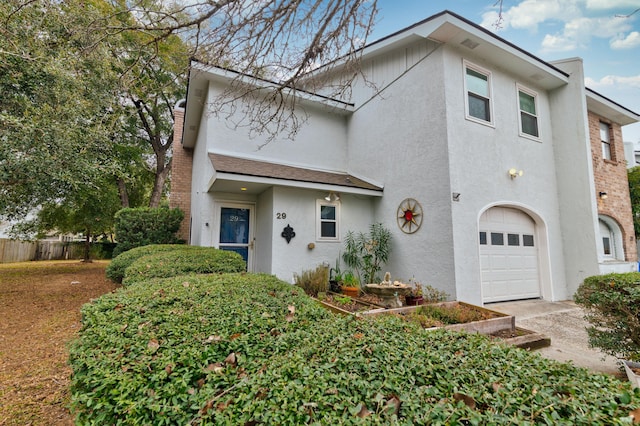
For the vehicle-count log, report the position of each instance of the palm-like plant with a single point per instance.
(366, 253)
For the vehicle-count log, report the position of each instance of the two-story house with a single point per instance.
(500, 175)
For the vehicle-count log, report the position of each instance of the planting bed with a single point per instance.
(457, 316)
(342, 304)
(460, 316)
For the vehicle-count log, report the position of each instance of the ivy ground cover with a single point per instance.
(250, 349)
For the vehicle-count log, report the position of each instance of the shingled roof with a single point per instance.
(242, 166)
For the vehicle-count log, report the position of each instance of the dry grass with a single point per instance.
(40, 313)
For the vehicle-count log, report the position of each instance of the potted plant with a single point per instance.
(335, 277)
(415, 297)
(350, 284)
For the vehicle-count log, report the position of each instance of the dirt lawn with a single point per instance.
(39, 314)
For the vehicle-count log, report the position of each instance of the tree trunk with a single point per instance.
(124, 195)
(87, 246)
(158, 184)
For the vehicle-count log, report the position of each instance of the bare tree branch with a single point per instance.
(629, 15)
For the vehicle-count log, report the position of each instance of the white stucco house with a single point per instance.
(509, 165)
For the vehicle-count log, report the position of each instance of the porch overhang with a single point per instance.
(249, 176)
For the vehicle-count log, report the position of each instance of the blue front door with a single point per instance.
(235, 231)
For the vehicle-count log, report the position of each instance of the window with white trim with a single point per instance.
(528, 112)
(605, 138)
(478, 92)
(328, 220)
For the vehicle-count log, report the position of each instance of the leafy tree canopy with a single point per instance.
(89, 85)
(634, 192)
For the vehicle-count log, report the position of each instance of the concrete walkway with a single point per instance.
(564, 323)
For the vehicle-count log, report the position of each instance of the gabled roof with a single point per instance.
(445, 27)
(230, 171)
(454, 30)
(607, 108)
(201, 73)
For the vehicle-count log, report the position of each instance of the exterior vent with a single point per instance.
(470, 43)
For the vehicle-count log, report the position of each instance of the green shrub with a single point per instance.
(612, 303)
(143, 226)
(116, 268)
(366, 253)
(183, 260)
(250, 349)
(313, 281)
(102, 250)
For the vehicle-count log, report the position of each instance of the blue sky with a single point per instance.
(551, 29)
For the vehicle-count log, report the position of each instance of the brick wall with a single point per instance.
(181, 166)
(611, 177)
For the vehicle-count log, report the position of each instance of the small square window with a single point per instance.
(606, 242)
(513, 239)
(527, 240)
(478, 93)
(497, 239)
(327, 227)
(483, 238)
(528, 112)
(328, 213)
(605, 140)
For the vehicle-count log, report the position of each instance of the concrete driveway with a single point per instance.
(563, 322)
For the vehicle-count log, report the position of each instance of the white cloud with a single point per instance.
(560, 43)
(613, 80)
(577, 33)
(528, 14)
(629, 42)
(612, 4)
(489, 19)
(570, 24)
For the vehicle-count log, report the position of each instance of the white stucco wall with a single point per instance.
(400, 139)
(200, 176)
(299, 205)
(413, 138)
(576, 187)
(480, 157)
(264, 229)
(321, 140)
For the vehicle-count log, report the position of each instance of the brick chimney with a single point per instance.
(181, 167)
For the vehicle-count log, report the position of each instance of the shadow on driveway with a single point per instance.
(564, 323)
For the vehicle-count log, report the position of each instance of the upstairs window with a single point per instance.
(478, 90)
(528, 113)
(605, 138)
(328, 220)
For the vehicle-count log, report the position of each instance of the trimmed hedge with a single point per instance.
(612, 303)
(250, 349)
(117, 267)
(136, 227)
(181, 261)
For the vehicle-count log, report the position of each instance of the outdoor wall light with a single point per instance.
(513, 173)
(332, 196)
(603, 195)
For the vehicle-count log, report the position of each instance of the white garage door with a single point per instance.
(508, 255)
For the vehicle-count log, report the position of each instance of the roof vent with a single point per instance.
(470, 43)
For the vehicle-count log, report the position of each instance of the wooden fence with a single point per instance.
(24, 251)
(17, 251)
